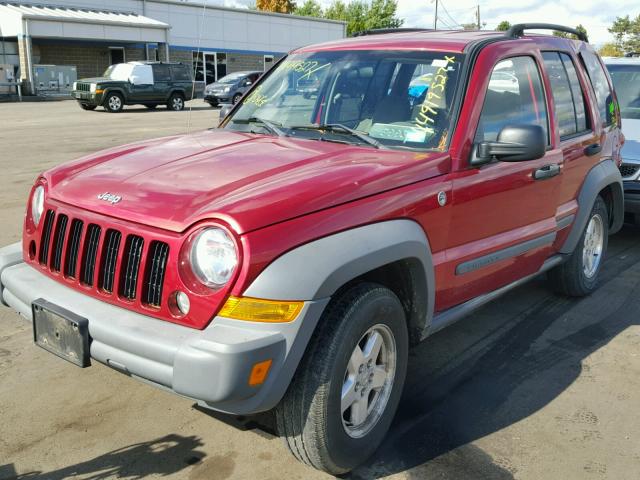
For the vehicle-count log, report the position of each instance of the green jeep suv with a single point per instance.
(144, 83)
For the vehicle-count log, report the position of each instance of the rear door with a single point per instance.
(142, 90)
(161, 82)
(581, 145)
(181, 79)
(503, 224)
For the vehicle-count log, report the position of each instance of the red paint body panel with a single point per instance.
(277, 193)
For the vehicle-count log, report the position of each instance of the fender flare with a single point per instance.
(604, 174)
(109, 90)
(316, 270)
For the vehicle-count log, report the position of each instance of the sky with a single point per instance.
(595, 15)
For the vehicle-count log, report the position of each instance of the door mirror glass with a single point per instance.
(515, 143)
(224, 111)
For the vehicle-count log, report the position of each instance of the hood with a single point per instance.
(97, 80)
(247, 180)
(631, 131)
(220, 86)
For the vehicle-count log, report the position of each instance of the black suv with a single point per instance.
(144, 83)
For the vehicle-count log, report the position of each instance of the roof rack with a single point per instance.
(381, 31)
(516, 31)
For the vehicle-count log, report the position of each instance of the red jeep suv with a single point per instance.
(364, 194)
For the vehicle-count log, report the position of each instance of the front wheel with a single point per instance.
(114, 103)
(176, 102)
(578, 276)
(346, 390)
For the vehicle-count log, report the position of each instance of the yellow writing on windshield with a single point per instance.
(256, 98)
(307, 68)
(426, 116)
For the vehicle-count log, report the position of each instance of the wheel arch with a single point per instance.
(117, 90)
(394, 253)
(603, 179)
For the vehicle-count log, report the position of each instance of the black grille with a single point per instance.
(104, 259)
(131, 266)
(83, 87)
(73, 248)
(90, 254)
(110, 259)
(46, 237)
(628, 170)
(154, 278)
(58, 242)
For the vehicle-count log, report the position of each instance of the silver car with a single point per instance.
(625, 73)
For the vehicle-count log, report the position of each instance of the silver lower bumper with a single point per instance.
(211, 366)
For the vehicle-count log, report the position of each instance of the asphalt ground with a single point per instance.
(533, 386)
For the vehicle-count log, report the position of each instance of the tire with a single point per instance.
(176, 102)
(151, 106)
(85, 106)
(113, 102)
(310, 418)
(236, 98)
(578, 276)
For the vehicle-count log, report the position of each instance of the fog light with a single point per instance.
(183, 303)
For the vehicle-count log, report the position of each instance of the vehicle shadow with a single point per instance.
(163, 456)
(500, 366)
(162, 109)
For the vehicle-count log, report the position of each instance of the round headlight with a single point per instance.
(37, 204)
(213, 257)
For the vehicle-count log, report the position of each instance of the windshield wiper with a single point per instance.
(338, 127)
(269, 125)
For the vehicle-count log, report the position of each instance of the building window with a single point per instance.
(208, 67)
(268, 62)
(116, 55)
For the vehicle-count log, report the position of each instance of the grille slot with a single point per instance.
(46, 237)
(628, 170)
(154, 278)
(90, 254)
(109, 259)
(58, 242)
(131, 266)
(73, 248)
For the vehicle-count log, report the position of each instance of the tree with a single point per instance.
(580, 28)
(310, 8)
(626, 32)
(361, 15)
(503, 26)
(610, 50)
(279, 6)
(470, 26)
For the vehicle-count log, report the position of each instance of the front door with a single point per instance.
(503, 216)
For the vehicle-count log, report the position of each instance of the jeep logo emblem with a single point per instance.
(109, 197)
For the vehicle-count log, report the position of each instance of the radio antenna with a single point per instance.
(195, 68)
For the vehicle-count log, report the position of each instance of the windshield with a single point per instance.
(390, 99)
(120, 71)
(626, 80)
(232, 78)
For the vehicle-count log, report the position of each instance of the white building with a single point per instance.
(92, 35)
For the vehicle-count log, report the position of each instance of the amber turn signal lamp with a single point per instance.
(258, 310)
(99, 91)
(259, 373)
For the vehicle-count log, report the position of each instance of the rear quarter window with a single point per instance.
(180, 73)
(601, 87)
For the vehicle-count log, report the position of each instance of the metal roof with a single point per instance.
(79, 15)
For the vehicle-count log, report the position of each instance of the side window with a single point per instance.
(180, 73)
(600, 86)
(144, 74)
(567, 94)
(514, 97)
(161, 73)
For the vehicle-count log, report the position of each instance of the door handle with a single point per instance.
(593, 149)
(547, 171)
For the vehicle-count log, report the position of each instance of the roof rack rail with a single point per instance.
(516, 31)
(381, 31)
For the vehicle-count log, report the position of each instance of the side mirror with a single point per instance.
(515, 143)
(247, 83)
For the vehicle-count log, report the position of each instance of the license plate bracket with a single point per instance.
(61, 332)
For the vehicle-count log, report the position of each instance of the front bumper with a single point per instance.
(88, 98)
(211, 366)
(217, 98)
(632, 196)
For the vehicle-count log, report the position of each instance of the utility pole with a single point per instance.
(478, 16)
(435, 17)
